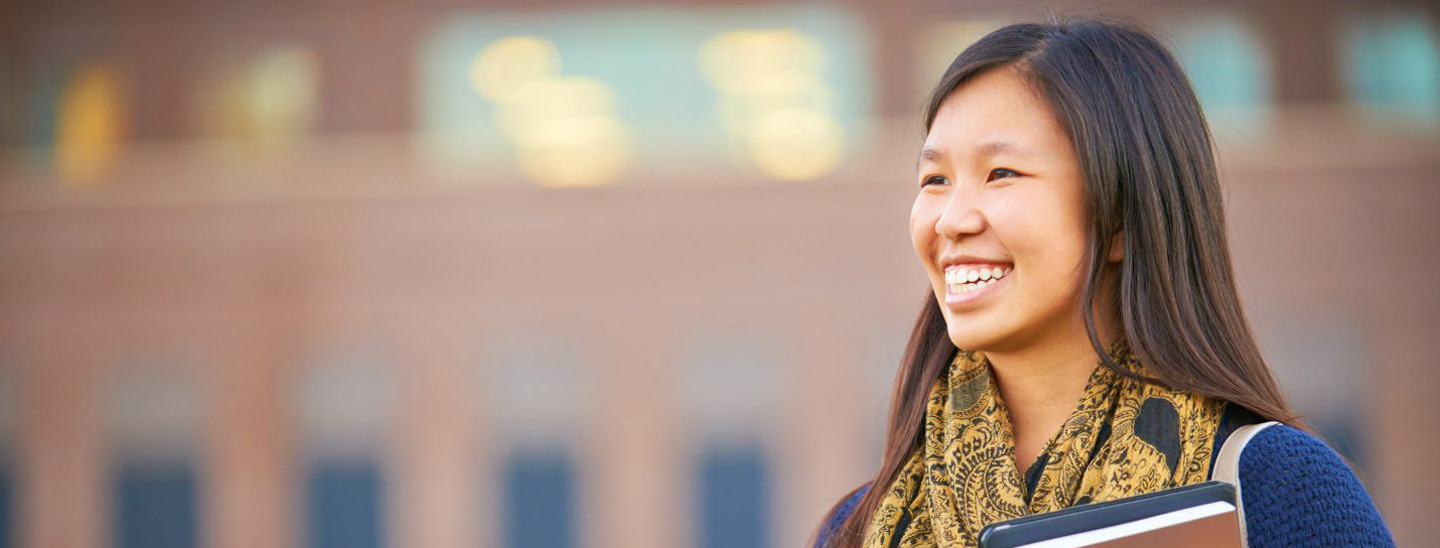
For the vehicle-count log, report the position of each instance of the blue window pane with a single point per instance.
(41, 106)
(7, 529)
(345, 505)
(1229, 69)
(1393, 66)
(649, 58)
(734, 498)
(540, 500)
(155, 506)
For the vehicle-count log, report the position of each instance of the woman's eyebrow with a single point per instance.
(929, 155)
(995, 148)
(983, 150)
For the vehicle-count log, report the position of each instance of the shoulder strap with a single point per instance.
(1227, 467)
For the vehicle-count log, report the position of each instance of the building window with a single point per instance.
(346, 405)
(780, 92)
(155, 506)
(9, 409)
(733, 386)
(538, 389)
(345, 505)
(7, 509)
(540, 500)
(1229, 69)
(735, 497)
(1392, 67)
(153, 416)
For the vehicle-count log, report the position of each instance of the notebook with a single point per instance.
(1193, 516)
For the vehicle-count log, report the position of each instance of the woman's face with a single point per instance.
(999, 222)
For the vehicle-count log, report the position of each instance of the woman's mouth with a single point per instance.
(967, 282)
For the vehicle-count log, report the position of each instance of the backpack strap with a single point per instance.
(1227, 467)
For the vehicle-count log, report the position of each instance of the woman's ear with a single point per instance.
(1117, 247)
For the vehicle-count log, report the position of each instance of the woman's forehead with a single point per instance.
(996, 112)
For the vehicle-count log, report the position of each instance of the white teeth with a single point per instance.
(963, 280)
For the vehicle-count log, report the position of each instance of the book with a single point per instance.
(1192, 516)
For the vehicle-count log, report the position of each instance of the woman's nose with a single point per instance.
(960, 218)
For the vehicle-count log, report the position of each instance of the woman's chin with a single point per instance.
(968, 339)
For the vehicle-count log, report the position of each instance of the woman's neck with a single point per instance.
(1041, 385)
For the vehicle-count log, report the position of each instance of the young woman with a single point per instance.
(1082, 339)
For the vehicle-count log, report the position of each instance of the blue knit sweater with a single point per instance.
(1297, 493)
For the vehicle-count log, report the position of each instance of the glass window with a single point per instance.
(1392, 66)
(1229, 69)
(153, 418)
(155, 505)
(9, 89)
(539, 500)
(9, 409)
(538, 387)
(346, 406)
(733, 385)
(735, 497)
(7, 508)
(783, 91)
(345, 504)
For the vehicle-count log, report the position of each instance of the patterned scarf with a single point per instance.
(1125, 438)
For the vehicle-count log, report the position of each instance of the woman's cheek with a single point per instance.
(923, 216)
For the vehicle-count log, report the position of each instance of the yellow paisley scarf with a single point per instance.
(1126, 437)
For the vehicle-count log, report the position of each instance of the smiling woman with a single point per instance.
(1012, 203)
(1082, 338)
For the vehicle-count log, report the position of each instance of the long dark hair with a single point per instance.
(1149, 169)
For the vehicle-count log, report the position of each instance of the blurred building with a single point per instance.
(598, 274)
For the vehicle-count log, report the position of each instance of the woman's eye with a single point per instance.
(936, 179)
(1001, 173)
